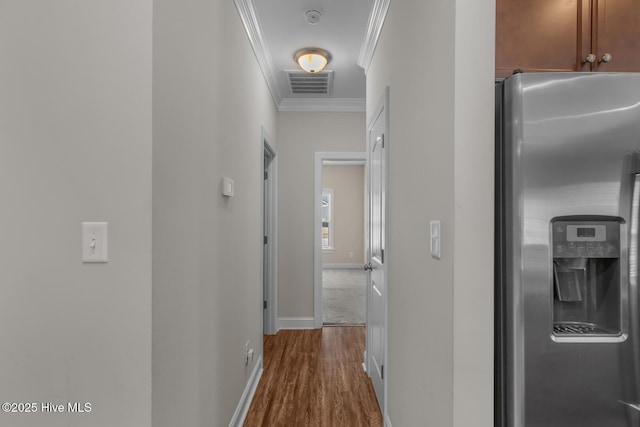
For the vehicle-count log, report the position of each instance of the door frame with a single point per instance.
(270, 230)
(320, 158)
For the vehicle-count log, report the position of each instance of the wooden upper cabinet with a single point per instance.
(617, 33)
(541, 35)
(558, 35)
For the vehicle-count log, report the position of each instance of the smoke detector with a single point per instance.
(312, 16)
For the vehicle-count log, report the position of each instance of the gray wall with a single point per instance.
(210, 102)
(347, 183)
(75, 145)
(297, 146)
(440, 328)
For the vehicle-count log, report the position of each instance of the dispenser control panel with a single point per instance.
(586, 233)
(587, 287)
(586, 239)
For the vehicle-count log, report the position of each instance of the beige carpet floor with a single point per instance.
(343, 297)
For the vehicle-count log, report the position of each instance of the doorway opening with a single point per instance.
(339, 239)
(269, 215)
(343, 245)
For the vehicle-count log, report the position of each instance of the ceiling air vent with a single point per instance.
(314, 84)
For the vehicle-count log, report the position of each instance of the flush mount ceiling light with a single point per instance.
(312, 60)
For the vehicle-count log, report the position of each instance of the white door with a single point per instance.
(376, 326)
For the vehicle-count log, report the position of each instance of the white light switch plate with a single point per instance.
(227, 187)
(94, 242)
(435, 239)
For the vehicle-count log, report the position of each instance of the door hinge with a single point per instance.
(382, 256)
(266, 175)
(382, 372)
(264, 305)
(265, 240)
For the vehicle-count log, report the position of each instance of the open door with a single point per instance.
(376, 257)
(269, 251)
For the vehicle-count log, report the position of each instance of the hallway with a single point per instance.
(136, 113)
(315, 378)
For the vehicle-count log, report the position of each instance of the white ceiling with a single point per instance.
(280, 29)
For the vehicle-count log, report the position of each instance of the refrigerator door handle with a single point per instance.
(633, 231)
(633, 314)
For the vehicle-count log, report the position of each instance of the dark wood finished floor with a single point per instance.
(315, 378)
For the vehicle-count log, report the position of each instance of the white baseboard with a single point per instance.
(387, 421)
(247, 396)
(295, 323)
(351, 266)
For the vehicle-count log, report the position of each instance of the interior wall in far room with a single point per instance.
(347, 183)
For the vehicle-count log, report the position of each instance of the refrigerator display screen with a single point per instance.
(586, 232)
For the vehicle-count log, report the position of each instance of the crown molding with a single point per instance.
(374, 28)
(343, 105)
(259, 45)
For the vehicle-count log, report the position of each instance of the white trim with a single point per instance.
(387, 421)
(340, 105)
(247, 395)
(340, 265)
(259, 45)
(320, 157)
(374, 28)
(295, 323)
(271, 326)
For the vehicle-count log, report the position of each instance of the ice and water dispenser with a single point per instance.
(587, 277)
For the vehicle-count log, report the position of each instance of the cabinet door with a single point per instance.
(618, 34)
(540, 35)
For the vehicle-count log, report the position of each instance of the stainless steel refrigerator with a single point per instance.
(567, 207)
